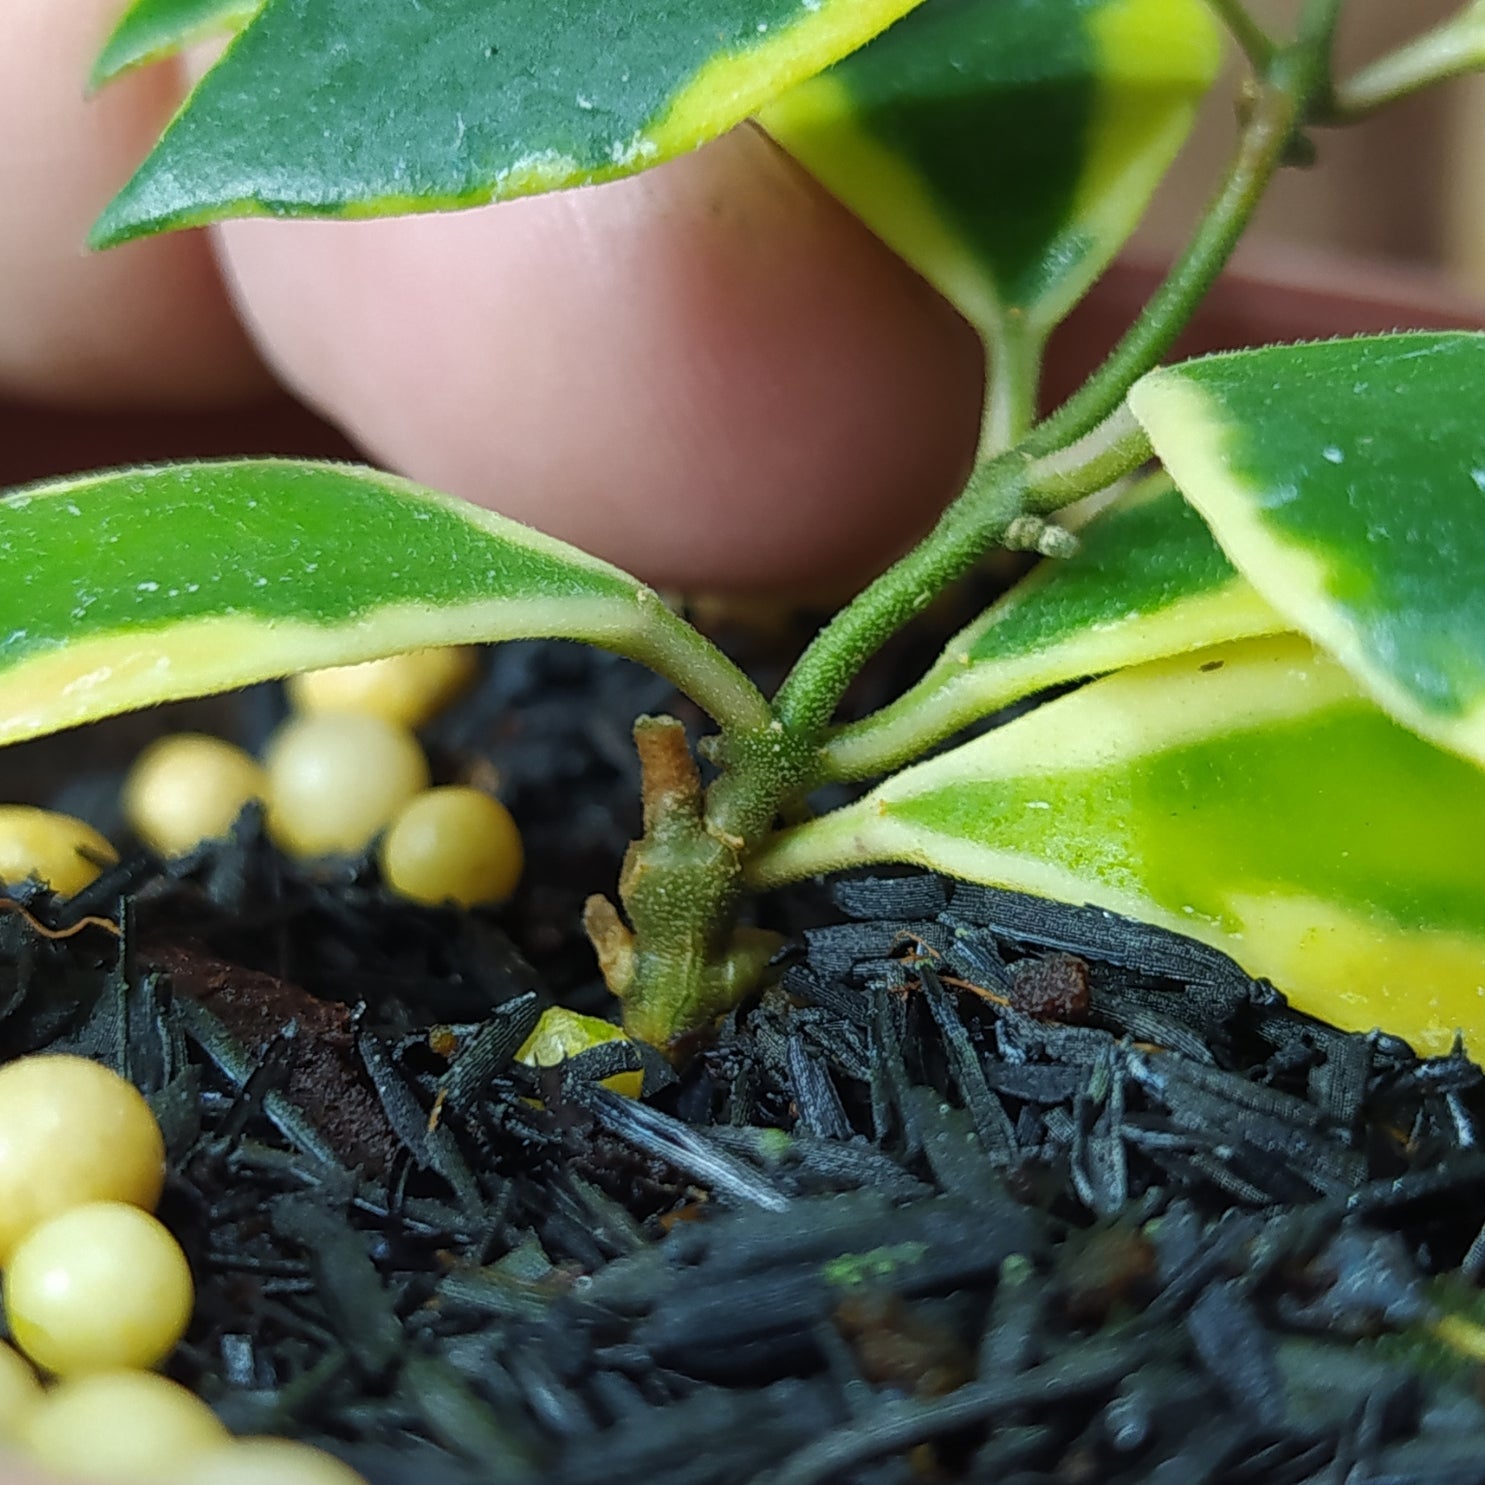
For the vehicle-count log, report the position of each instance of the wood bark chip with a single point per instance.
(324, 1074)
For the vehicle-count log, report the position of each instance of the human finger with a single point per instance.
(144, 324)
(711, 374)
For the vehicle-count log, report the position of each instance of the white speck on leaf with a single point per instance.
(1278, 495)
(1333, 455)
(634, 153)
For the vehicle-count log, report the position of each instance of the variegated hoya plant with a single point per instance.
(1274, 560)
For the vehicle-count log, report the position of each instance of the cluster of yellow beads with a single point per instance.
(345, 769)
(136, 1428)
(91, 1280)
(71, 1133)
(97, 1292)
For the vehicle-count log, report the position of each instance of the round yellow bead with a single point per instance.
(264, 1461)
(100, 1287)
(55, 849)
(122, 1428)
(20, 1393)
(71, 1132)
(409, 689)
(561, 1034)
(454, 845)
(187, 789)
(336, 778)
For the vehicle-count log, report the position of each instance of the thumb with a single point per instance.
(711, 374)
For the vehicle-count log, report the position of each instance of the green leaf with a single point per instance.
(121, 590)
(1147, 581)
(1249, 796)
(150, 30)
(372, 107)
(1006, 148)
(1346, 481)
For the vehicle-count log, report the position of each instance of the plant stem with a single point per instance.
(701, 671)
(1257, 44)
(941, 704)
(999, 492)
(1318, 21)
(1449, 50)
(993, 499)
(1115, 448)
(1276, 110)
(1014, 372)
(809, 850)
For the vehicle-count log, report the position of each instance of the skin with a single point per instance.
(711, 374)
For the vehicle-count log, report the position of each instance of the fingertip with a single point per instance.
(711, 374)
(147, 323)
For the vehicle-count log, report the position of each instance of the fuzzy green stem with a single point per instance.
(1276, 110)
(682, 881)
(808, 850)
(993, 499)
(1450, 50)
(1258, 46)
(936, 708)
(701, 671)
(1115, 448)
(680, 886)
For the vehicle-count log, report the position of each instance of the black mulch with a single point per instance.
(984, 1188)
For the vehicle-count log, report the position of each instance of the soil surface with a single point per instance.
(983, 1188)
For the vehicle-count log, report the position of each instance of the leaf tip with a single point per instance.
(112, 228)
(137, 211)
(116, 57)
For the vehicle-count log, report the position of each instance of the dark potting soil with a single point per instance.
(984, 1188)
